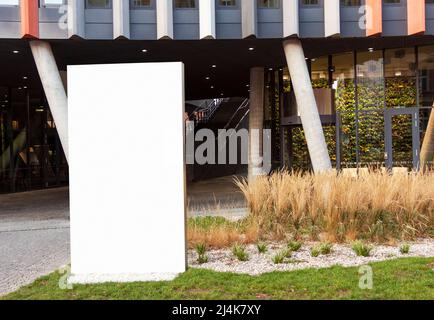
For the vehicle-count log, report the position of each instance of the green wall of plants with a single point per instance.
(371, 94)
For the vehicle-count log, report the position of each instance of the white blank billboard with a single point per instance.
(126, 168)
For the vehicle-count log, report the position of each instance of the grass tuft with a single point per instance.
(239, 251)
(201, 252)
(262, 247)
(294, 246)
(361, 249)
(375, 206)
(404, 249)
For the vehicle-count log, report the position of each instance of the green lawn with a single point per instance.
(398, 279)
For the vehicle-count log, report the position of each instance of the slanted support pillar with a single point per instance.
(307, 105)
(53, 88)
(256, 122)
(427, 150)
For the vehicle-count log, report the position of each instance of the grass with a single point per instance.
(218, 232)
(375, 206)
(315, 251)
(282, 256)
(262, 247)
(362, 249)
(404, 249)
(322, 248)
(201, 253)
(239, 251)
(411, 278)
(294, 246)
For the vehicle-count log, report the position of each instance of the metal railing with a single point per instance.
(207, 109)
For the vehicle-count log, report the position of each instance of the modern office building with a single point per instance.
(340, 83)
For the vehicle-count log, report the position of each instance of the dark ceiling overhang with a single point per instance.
(232, 58)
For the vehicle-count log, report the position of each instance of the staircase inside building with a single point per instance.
(228, 113)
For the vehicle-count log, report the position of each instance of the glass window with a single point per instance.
(139, 4)
(180, 4)
(426, 85)
(370, 79)
(48, 3)
(426, 75)
(370, 102)
(310, 2)
(268, 4)
(227, 3)
(400, 73)
(9, 2)
(351, 3)
(98, 4)
(345, 102)
(319, 67)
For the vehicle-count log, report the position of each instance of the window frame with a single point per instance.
(196, 6)
(150, 7)
(302, 5)
(235, 7)
(87, 7)
(279, 6)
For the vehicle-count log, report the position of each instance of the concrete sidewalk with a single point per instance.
(34, 236)
(34, 227)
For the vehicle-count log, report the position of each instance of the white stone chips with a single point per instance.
(223, 260)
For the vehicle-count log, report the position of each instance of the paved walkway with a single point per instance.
(34, 227)
(216, 197)
(34, 236)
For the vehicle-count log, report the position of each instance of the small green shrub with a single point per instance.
(201, 251)
(361, 249)
(282, 256)
(239, 251)
(279, 258)
(325, 248)
(294, 246)
(262, 247)
(287, 253)
(315, 252)
(202, 259)
(405, 249)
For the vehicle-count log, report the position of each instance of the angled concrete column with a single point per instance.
(249, 18)
(290, 18)
(121, 19)
(164, 19)
(76, 19)
(207, 19)
(427, 150)
(256, 121)
(332, 20)
(53, 88)
(307, 105)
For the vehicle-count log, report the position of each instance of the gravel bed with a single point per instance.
(342, 254)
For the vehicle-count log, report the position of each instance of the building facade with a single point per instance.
(340, 83)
